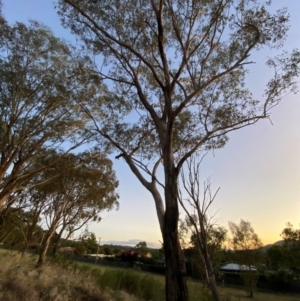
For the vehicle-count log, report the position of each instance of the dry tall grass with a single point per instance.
(20, 281)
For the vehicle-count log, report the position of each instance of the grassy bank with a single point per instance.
(196, 290)
(78, 281)
(21, 281)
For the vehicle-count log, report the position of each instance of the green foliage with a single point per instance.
(107, 251)
(142, 286)
(275, 257)
(141, 245)
(79, 187)
(63, 260)
(15, 226)
(188, 77)
(176, 74)
(246, 244)
(142, 248)
(280, 280)
(243, 236)
(289, 234)
(291, 248)
(89, 243)
(216, 236)
(41, 78)
(116, 251)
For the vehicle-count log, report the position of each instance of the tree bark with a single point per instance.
(176, 287)
(3, 197)
(210, 275)
(209, 270)
(43, 252)
(176, 278)
(45, 247)
(251, 295)
(56, 244)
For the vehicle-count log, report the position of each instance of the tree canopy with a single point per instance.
(246, 244)
(79, 188)
(180, 65)
(291, 248)
(41, 78)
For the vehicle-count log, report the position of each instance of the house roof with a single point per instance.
(236, 267)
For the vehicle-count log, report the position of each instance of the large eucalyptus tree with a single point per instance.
(40, 79)
(176, 72)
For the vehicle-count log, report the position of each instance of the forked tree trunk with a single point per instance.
(45, 247)
(56, 244)
(43, 251)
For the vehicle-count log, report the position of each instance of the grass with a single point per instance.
(144, 285)
(19, 281)
(196, 291)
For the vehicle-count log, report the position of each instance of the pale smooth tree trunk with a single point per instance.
(45, 247)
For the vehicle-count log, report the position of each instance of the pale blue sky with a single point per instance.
(258, 170)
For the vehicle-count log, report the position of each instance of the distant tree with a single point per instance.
(141, 244)
(107, 250)
(81, 187)
(275, 257)
(91, 243)
(246, 244)
(88, 242)
(92, 186)
(177, 82)
(116, 251)
(291, 248)
(141, 247)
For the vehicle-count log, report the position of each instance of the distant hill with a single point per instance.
(277, 243)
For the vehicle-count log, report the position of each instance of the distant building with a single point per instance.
(98, 256)
(144, 254)
(235, 267)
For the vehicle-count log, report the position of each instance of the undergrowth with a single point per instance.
(62, 279)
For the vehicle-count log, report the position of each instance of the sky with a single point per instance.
(258, 171)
